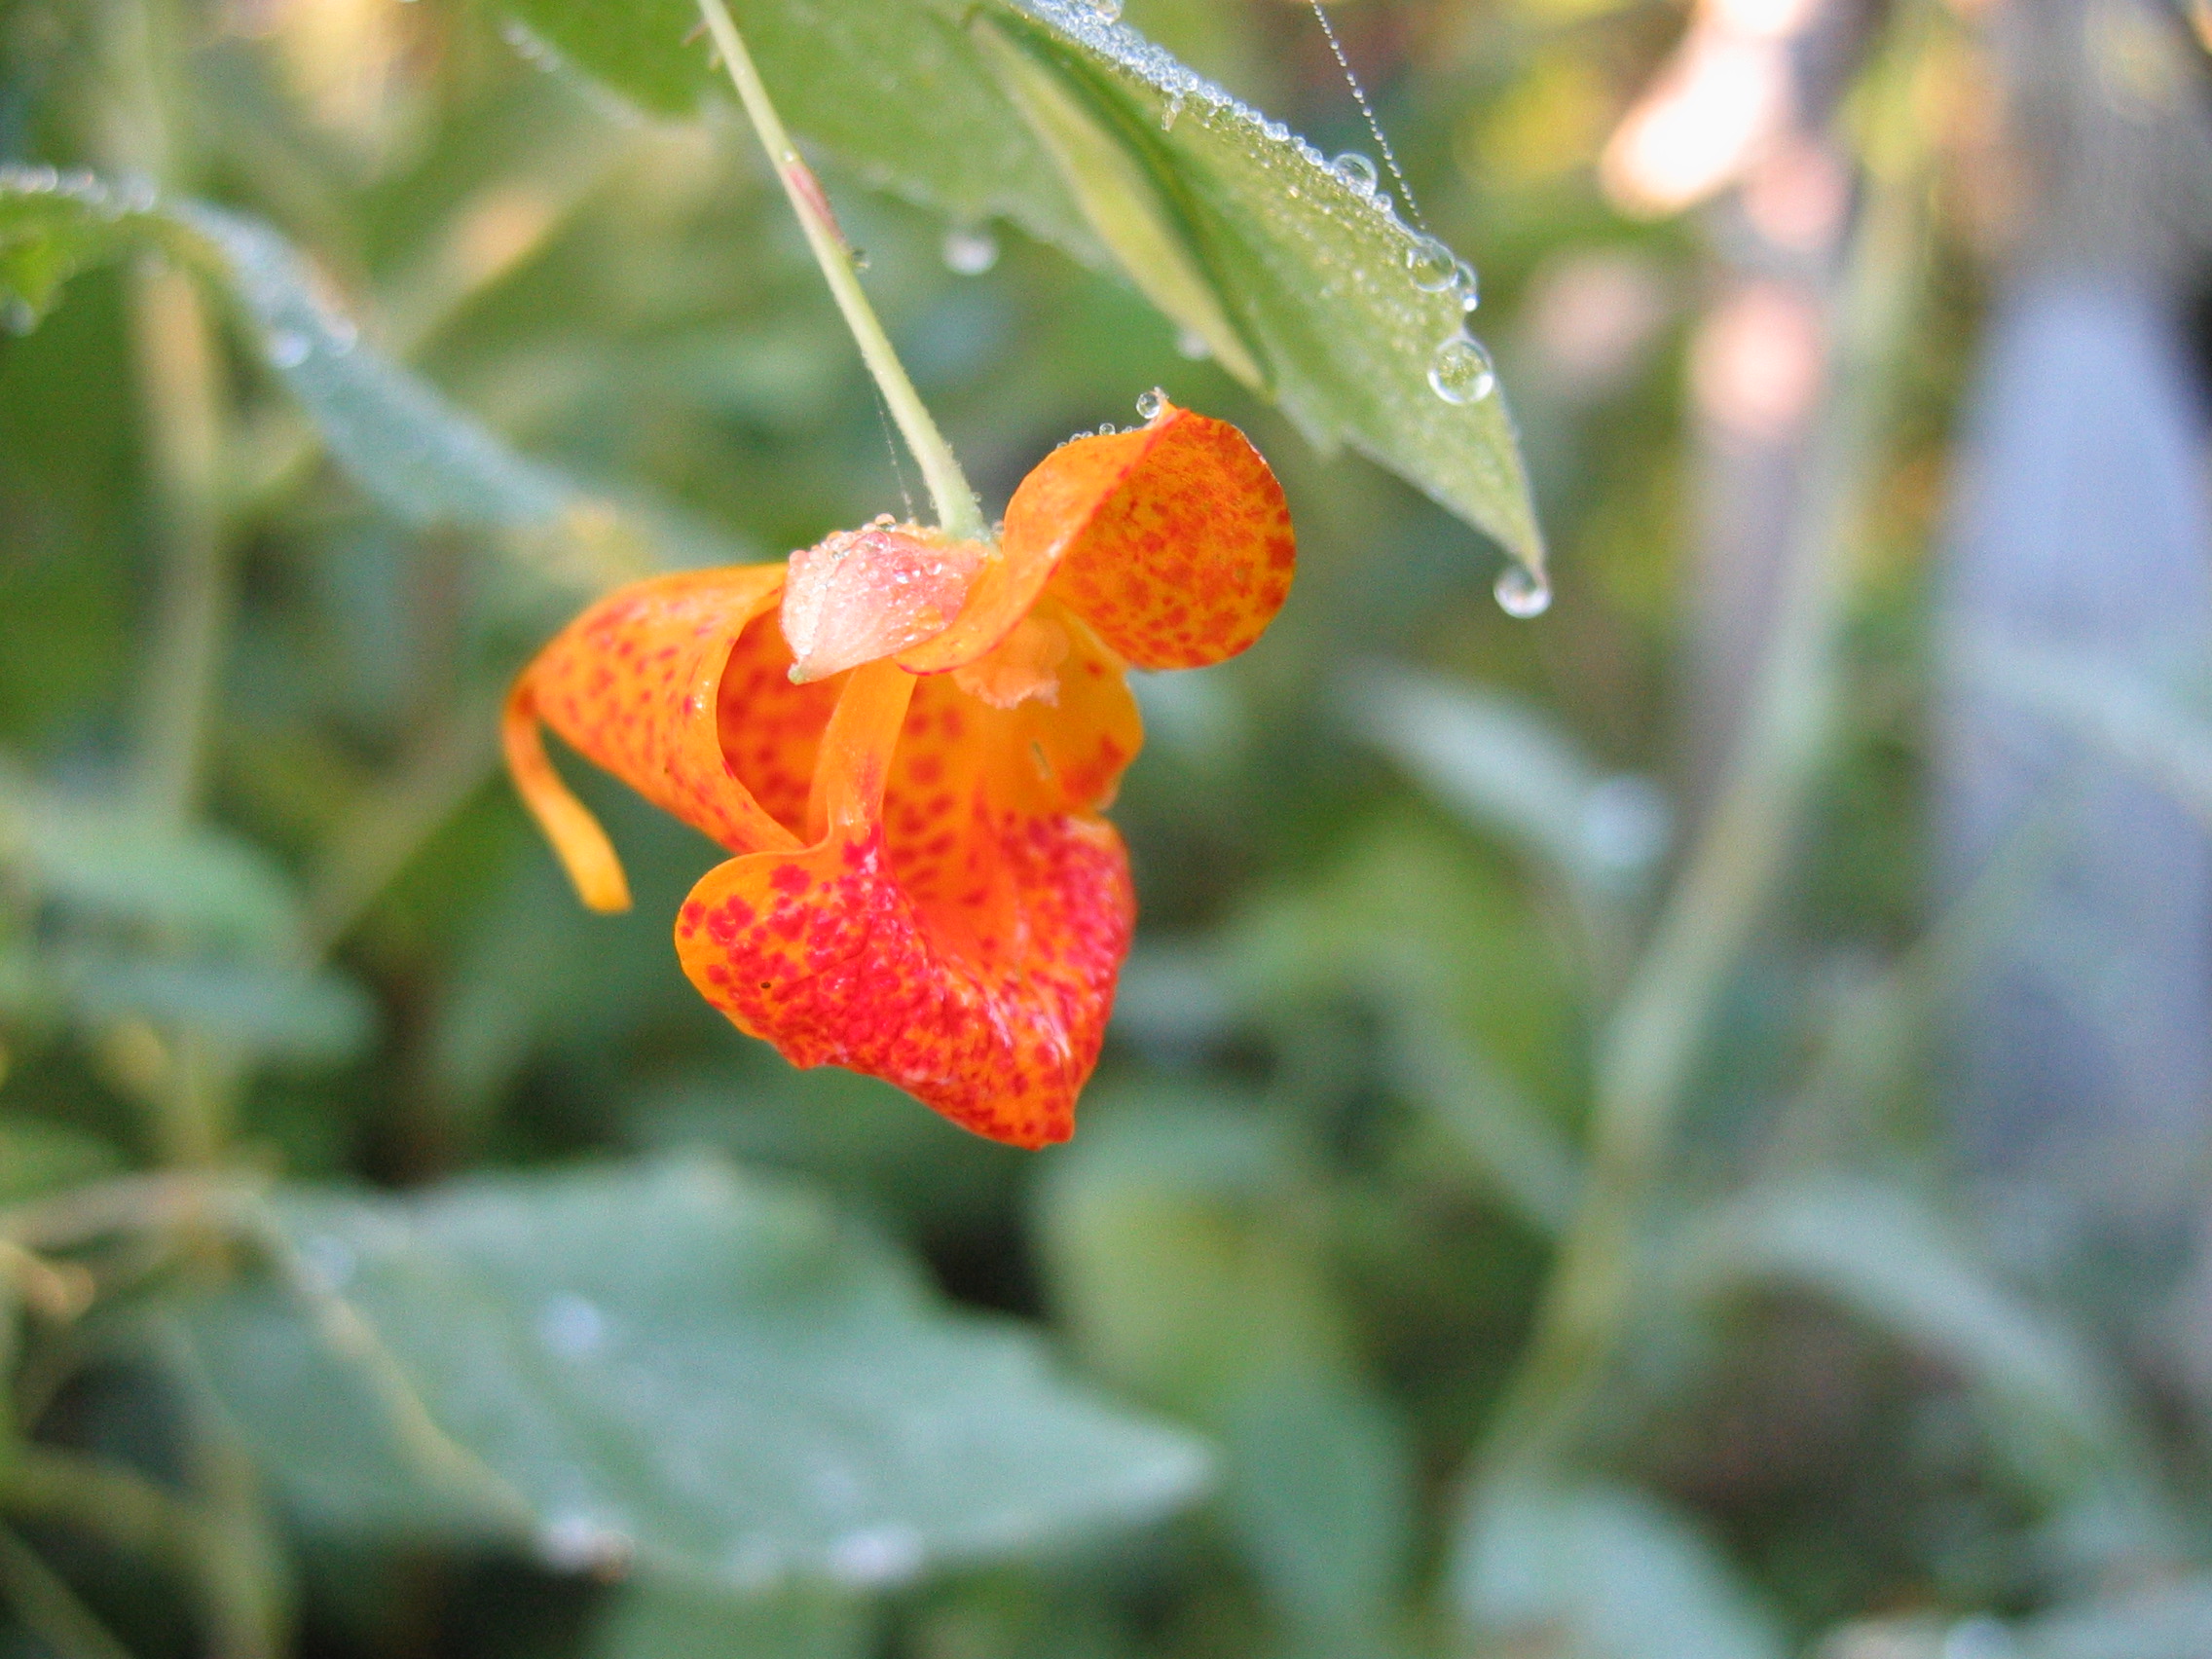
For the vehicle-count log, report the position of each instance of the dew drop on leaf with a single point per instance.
(1434, 267)
(1151, 403)
(970, 251)
(1522, 593)
(1470, 287)
(1356, 170)
(1460, 371)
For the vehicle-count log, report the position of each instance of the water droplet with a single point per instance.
(1278, 130)
(876, 1555)
(1434, 267)
(572, 1328)
(1355, 171)
(1191, 343)
(1522, 593)
(859, 257)
(288, 349)
(1460, 371)
(970, 251)
(1169, 112)
(1151, 403)
(1104, 11)
(1469, 285)
(16, 315)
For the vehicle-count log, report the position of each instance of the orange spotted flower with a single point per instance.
(906, 741)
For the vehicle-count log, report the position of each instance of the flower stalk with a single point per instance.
(957, 510)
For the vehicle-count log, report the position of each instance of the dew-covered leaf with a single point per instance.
(698, 1374)
(1299, 276)
(399, 438)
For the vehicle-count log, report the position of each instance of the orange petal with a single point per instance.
(1173, 542)
(582, 846)
(679, 687)
(974, 968)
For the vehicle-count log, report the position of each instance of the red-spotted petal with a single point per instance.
(1173, 542)
(960, 947)
(680, 687)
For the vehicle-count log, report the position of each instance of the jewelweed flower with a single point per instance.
(907, 742)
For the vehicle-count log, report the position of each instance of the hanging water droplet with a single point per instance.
(1470, 287)
(1355, 171)
(1522, 593)
(1151, 403)
(970, 251)
(1434, 267)
(1191, 343)
(1460, 371)
(288, 349)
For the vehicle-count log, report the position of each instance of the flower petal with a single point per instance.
(680, 687)
(1173, 542)
(952, 943)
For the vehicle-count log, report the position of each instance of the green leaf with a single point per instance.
(1602, 1571)
(1300, 280)
(398, 438)
(1179, 1237)
(54, 225)
(273, 1011)
(38, 1158)
(676, 1367)
(1508, 770)
(112, 866)
(1875, 1250)
(651, 1620)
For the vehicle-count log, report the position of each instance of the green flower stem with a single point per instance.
(956, 507)
(1657, 1030)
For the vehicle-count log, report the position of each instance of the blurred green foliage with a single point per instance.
(1497, 1227)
